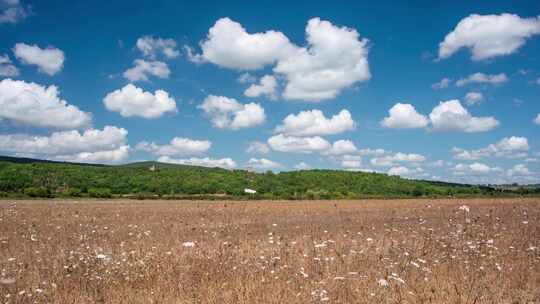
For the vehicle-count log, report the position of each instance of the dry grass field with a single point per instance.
(408, 251)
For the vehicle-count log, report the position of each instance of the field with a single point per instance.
(399, 251)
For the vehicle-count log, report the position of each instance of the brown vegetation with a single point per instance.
(416, 251)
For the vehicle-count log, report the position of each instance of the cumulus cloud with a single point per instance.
(12, 11)
(93, 145)
(404, 116)
(143, 69)
(447, 116)
(99, 157)
(302, 166)
(341, 147)
(443, 84)
(537, 119)
(227, 113)
(229, 45)
(372, 152)
(266, 87)
(178, 146)
(518, 170)
(263, 164)
(473, 98)
(257, 147)
(49, 60)
(399, 171)
(392, 160)
(474, 169)
(452, 116)
(334, 59)
(313, 122)
(494, 79)
(488, 36)
(246, 78)
(7, 69)
(508, 147)
(132, 101)
(225, 163)
(31, 104)
(351, 161)
(151, 47)
(293, 144)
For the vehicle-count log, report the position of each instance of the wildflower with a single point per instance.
(464, 208)
(7, 281)
(382, 283)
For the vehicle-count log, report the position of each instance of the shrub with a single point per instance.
(74, 192)
(37, 192)
(99, 192)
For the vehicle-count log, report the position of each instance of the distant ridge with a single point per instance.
(28, 177)
(26, 160)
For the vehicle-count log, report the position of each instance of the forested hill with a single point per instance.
(35, 178)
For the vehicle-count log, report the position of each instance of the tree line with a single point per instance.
(49, 179)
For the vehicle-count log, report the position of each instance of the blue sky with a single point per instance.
(181, 82)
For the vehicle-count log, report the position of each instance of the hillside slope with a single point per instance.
(27, 178)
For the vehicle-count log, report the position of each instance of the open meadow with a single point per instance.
(374, 251)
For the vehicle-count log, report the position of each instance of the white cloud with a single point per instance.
(267, 86)
(372, 152)
(7, 69)
(537, 119)
(225, 163)
(309, 123)
(488, 36)
(473, 98)
(132, 101)
(392, 160)
(151, 47)
(93, 145)
(34, 105)
(452, 116)
(404, 116)
(49, 60)
(518, 170)
(438, 163)
(257, 147)
(474, 169)
(443, 84)
(341, 147)
(100, 157)
(12, 11)
(302, 166)
(263, 164)
(246, 78)
(143, 69)
(227, 113)
(351, 161)
(178, 146)
(334, 59)
(229, 45)
(509, 147)
(294, 144)
(447, 116)
(399, 171)
(494, 79)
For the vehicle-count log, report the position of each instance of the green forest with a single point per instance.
(33, 178)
